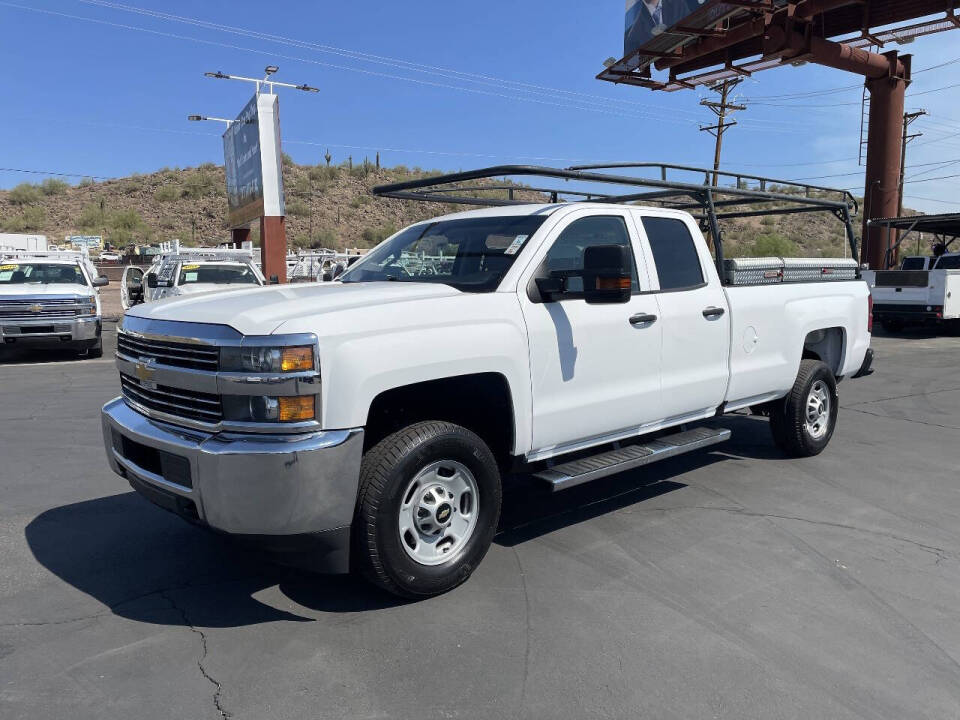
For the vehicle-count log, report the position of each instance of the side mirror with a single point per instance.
(151, 280)
(607, 276)
(100, 281)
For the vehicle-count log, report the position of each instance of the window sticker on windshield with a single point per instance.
(515, 246)
(190, 276)
(11, 268)
(190, 267)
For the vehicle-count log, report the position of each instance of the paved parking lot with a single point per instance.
(726, 584)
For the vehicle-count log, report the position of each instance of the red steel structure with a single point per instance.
(725, 39)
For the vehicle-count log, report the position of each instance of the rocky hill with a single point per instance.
(327, 205)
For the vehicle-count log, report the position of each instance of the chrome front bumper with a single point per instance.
(44, 330)
(263, 485)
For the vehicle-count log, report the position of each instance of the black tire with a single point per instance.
(385, 472)
(788, 422)
(91, 351)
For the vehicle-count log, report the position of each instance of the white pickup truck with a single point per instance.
(51, 299)
(373, 419)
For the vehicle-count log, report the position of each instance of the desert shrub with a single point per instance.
(207, 167)
(298, 209)
(168, 193)
(301, 186)
(287, 160)
(90, 217)
(125, 220)
(31, 219)
(772, 245)
(199, 185)
(25, 194)
(86, 182)
(373, 236)
(52, 186)
(324, 237)
(320, 173)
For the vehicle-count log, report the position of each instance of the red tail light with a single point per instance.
(870, 313)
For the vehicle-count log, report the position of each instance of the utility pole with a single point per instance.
(908, 119)
(722, 110)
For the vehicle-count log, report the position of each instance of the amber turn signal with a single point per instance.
(613, 283)
(297, 408)
(294, 359)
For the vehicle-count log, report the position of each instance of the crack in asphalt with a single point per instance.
(890, 417)
(940, 553)
(218, 688)
(902, 397)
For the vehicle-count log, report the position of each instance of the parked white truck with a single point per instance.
(189, 271)
(374, 419)
(51, 299)
(927, 295)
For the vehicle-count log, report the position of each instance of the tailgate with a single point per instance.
(902, 287)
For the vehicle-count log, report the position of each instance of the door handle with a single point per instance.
(712, 312)
(642, 319)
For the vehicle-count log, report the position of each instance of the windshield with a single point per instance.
(949, 262)
(20, 273)
(217, 274)
(472, 254)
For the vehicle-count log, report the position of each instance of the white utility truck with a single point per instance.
(917, 296)
(51, 299)
(370, 422)
(189, 271)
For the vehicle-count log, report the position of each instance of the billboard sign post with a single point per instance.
(253, 165)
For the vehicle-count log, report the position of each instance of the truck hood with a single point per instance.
(38, 289)
(197, 288)
(260, 311)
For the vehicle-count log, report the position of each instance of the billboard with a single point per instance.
(645, 20)
(253, 162)
(90, 242)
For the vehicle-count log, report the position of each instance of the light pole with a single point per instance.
(202, 118)
(269, 71)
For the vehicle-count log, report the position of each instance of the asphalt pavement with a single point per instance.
(731, 583)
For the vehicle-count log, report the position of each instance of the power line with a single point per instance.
(334, 66)
(372, 58)
(56, 174)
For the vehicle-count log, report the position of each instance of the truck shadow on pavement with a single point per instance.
(150, 566)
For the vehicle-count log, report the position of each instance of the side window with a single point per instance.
(674, 253)
(567, 251)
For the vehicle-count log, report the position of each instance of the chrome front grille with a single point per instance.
(179, 402)
(42, 308)
(165, 352)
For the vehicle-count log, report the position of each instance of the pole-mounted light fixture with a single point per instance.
(269, 71)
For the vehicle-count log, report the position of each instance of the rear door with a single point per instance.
(131, 287)
(694, 314)
(594, 369)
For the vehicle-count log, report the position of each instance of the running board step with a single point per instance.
(577, 472)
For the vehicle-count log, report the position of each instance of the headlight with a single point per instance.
(88, 306)
(265, 409)
(299, 358)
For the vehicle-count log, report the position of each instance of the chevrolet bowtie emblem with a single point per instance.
(145, 372)
(35, 308)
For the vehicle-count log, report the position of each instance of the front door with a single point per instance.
(595, 369)
(131, 287)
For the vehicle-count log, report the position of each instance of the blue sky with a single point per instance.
(94, 89)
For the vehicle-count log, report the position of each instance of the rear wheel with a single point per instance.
(427, 509)
(803, 422)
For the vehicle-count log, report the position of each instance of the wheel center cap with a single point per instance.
(443, 513)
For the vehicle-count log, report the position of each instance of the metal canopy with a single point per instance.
(742, 196)
(724, 39)
(945, 227)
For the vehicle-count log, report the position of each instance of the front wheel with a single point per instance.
(803, 422)
(427, 509)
